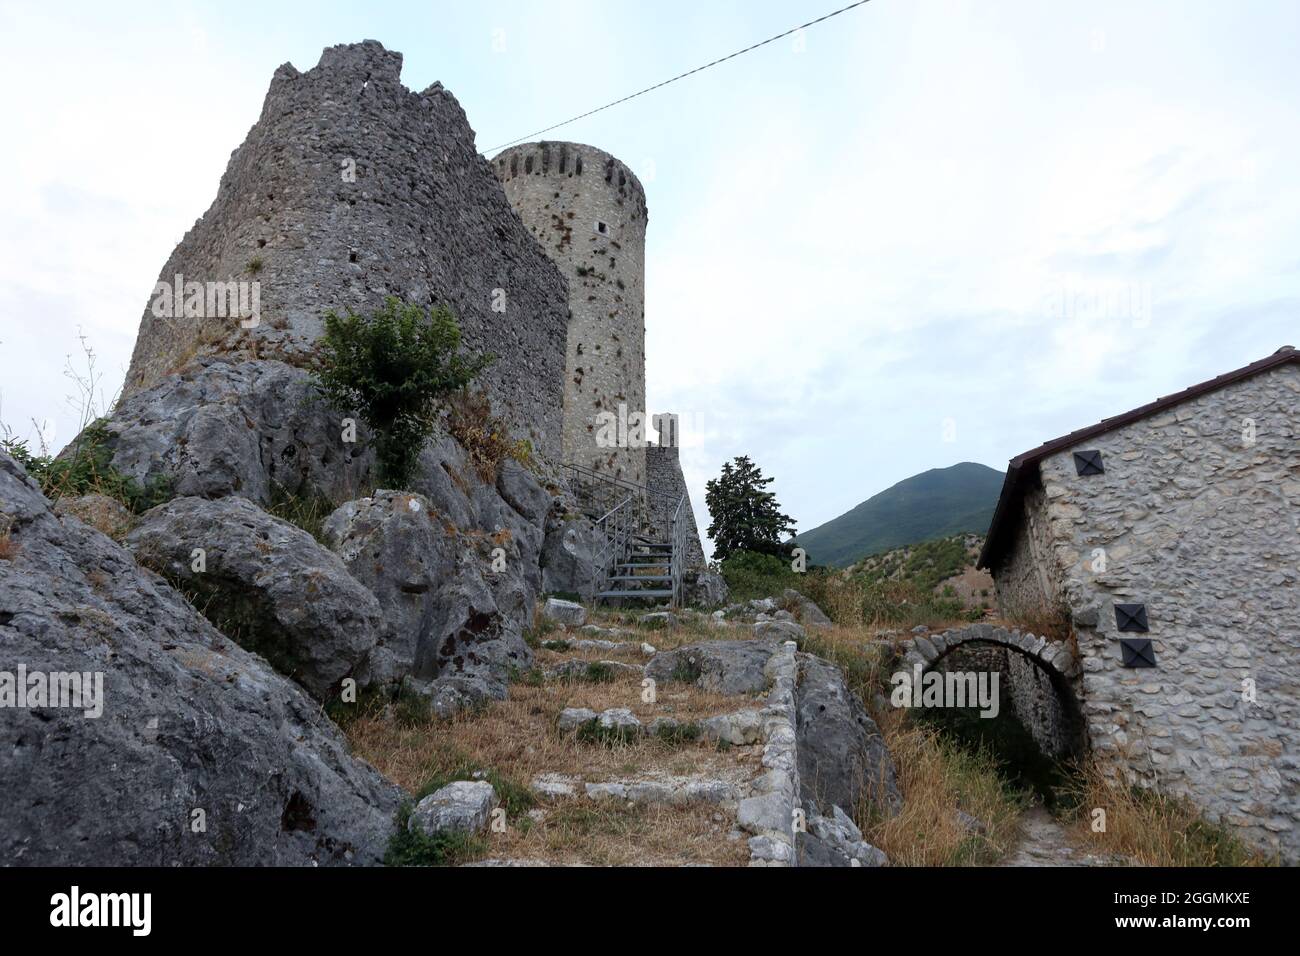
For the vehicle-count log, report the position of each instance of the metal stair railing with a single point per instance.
(614, 541)
(623, 515)
(679, 552)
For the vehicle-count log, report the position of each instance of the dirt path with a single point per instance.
(1045, 842)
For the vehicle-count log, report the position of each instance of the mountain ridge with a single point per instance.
(932, 504)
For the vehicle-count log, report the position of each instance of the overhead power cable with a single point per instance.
(682, 76)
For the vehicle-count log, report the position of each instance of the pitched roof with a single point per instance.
(1023, 468)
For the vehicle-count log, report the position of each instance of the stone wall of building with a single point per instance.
(1197, 517)
(588, 212)
(1027, 580)
(348, 189)
(667, 483)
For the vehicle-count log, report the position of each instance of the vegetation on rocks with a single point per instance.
(484, 437)
(392, 367)
(86, 468)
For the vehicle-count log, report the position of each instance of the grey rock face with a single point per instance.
(809, 614)
(449, 614)
(727, 667)
(706, 589)
(571, 718)
(464, 806)
(843, 760)
(778, 631)
(253, 429)
(740, 728)
(569, 556)
(423, 217)
(190, 722)
(269, 585)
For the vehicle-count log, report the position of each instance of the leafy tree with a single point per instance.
(392, 367)
(746, 517)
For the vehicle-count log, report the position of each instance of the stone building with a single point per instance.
(588, 211)
(1168, 538)
(350, 188)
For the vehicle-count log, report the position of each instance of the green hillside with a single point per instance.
(933, 504)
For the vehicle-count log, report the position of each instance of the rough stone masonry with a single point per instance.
(1194, 516)
(348, 189)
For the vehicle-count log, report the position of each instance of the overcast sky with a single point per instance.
(924, 232)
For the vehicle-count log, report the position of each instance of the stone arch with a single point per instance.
(1058, 726)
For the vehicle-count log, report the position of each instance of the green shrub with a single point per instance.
(677, 734)
(86, 468)
(591, 732)
(392, 367)
(752, 575)
(418, 849)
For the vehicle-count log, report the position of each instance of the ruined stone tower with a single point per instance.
(588, 211)
(348, 189)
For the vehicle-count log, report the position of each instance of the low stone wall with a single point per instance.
(778, 787)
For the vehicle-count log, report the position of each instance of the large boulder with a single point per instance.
(569, 555)
(725, 667)
(268, 585)
(463, 806)
(706, 589)
(843, 760)
(456, 603)
(258, 429)
(203, 755)
(809, 614)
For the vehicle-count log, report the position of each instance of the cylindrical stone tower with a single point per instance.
(588, 211)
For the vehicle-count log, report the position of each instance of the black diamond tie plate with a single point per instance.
(1131, 617)
(1137, 652)
(1088, 463)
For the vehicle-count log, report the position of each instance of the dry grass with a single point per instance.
(1052, 623)
(1153, 828)
(615, 834)
(8, 546)
(937, 779)
(517, 737)
(514, 741)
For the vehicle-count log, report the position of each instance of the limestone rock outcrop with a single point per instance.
(455, 610)
(843, 760)
(265, 583)
(202, 755)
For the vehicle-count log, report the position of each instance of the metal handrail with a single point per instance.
(679, 552)
(611, 480)
(618, 526)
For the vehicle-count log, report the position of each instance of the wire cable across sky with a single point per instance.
(681, 76)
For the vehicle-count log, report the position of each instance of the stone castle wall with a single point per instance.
(588, 212)
(348, 189)
(664, 477)
(1201, 524)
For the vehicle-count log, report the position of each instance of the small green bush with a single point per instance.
(392, 367)
(418, 849)
(677, 734)
(86, 468)
(591, 732)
